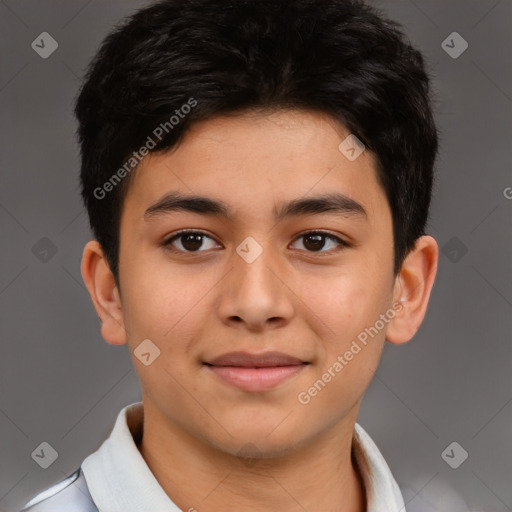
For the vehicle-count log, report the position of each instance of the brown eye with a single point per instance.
(316, 241)
(191, 241)
(188, 241)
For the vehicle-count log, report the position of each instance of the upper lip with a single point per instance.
(248, 360)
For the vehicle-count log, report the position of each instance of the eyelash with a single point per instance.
(168, 242)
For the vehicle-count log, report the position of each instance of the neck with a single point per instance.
(197, 476)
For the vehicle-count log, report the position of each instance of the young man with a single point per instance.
(257, 176)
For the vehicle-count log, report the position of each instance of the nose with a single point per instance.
(256, 295)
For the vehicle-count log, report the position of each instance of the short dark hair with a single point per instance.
(339, 57)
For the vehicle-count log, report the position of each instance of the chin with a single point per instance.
(258, 449)
(260, 443)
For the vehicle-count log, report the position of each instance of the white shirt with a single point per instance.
(119, 479)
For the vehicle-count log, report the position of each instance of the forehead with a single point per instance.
(252, 161)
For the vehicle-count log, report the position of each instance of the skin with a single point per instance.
(310, 304)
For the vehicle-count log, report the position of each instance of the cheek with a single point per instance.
(351, 355)
(161, 287)
(350, 304)
(351, 308)
(158, 301)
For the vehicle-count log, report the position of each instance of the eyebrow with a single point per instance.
(334, 202)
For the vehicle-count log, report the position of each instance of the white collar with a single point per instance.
(119, 479)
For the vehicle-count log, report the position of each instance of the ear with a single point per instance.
(105, 296)
(412, 288)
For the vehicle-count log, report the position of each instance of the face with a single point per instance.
(292, 252)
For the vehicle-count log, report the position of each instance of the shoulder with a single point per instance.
(69, 495)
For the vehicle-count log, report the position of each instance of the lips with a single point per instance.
(247, 360)
(255, 372)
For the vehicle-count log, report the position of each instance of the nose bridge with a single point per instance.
(254, 293)
(256, 273)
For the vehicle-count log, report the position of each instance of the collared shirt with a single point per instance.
(119, 479)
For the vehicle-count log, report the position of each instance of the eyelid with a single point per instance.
(327, 234)
(167, 242)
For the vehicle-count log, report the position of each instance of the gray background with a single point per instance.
(61, 383)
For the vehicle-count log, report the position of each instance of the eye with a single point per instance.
(190, 241)
(315, 241)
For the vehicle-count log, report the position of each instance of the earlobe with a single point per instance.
(413, 286)
(104, 294)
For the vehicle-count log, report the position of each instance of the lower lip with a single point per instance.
(256, 379)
